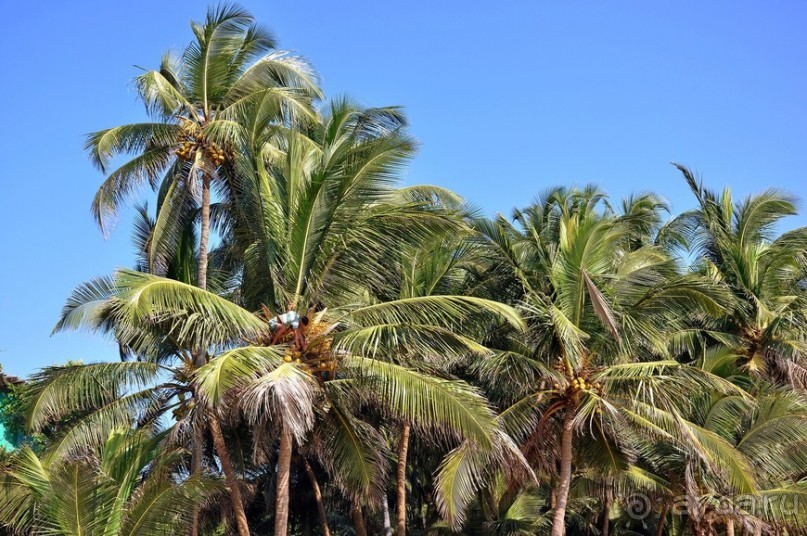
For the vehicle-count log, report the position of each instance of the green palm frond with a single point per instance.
(133, 138)
(147, 167)
(102, 493)
(443, 407)
(192, 316)
(465, 470)
(57, 391)
(353, 453)
(427, 341)
(235, 368)
(175, 210)
(21, 488)
(87, 306)
(161, 508)
(716, 452)
(95, 426)
(434, 310)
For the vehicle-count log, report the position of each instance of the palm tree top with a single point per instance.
(195, 100)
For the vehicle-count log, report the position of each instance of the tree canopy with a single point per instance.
(309, 347)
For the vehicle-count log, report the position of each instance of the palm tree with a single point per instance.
(140, 392)
(600, 307)
(196, 100)
(736, 245)
(759, 441)
(274, 386)
(319, 228)
(320, 225)
(125, 487)
(439, 267)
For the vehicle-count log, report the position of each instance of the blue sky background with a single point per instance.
(507, 99)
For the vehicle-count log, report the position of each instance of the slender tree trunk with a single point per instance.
(387, 521)
(229, 474)
(323, 518)
(662, 519)
(400, 506)
(282, 495)
(606, 509)
(567, 433)
(358, 521)
(199, 355)
(729, 527)
(699, 530)
(204, 238)
(196, 468)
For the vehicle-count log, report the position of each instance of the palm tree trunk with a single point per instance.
(196, 468)
(358, 521)
(606, 509)
(323, 518)
(559, 521)
(283, 472)
(698, 530)
(201, 278)
(400, 506)
(729, 527)
(387, 521)
(229, 474)
(662, 519)
(199, 356)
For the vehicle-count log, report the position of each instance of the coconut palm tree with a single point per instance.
(320, 221)
(140, 392)
(285, 389)
(321, 226)
(764, 438)
(195, 99)
(439, 267)
(600, 306)
(736, 244)
(125, 486)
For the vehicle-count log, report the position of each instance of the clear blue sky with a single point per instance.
(507, 98)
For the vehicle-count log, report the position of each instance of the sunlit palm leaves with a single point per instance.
(765, 273)
(123, 487)
(198, 101)
(547, 366)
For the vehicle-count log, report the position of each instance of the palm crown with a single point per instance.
(765, 275)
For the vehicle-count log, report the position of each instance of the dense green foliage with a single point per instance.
(355, 357)
(12, 415)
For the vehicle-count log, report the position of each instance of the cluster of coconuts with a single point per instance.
(216, 154)
(188, 148)
(580, 384)
(182, 409)
(185, 152)
(190, 132)
(292, 355)
(326, 365)
(324, 369)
